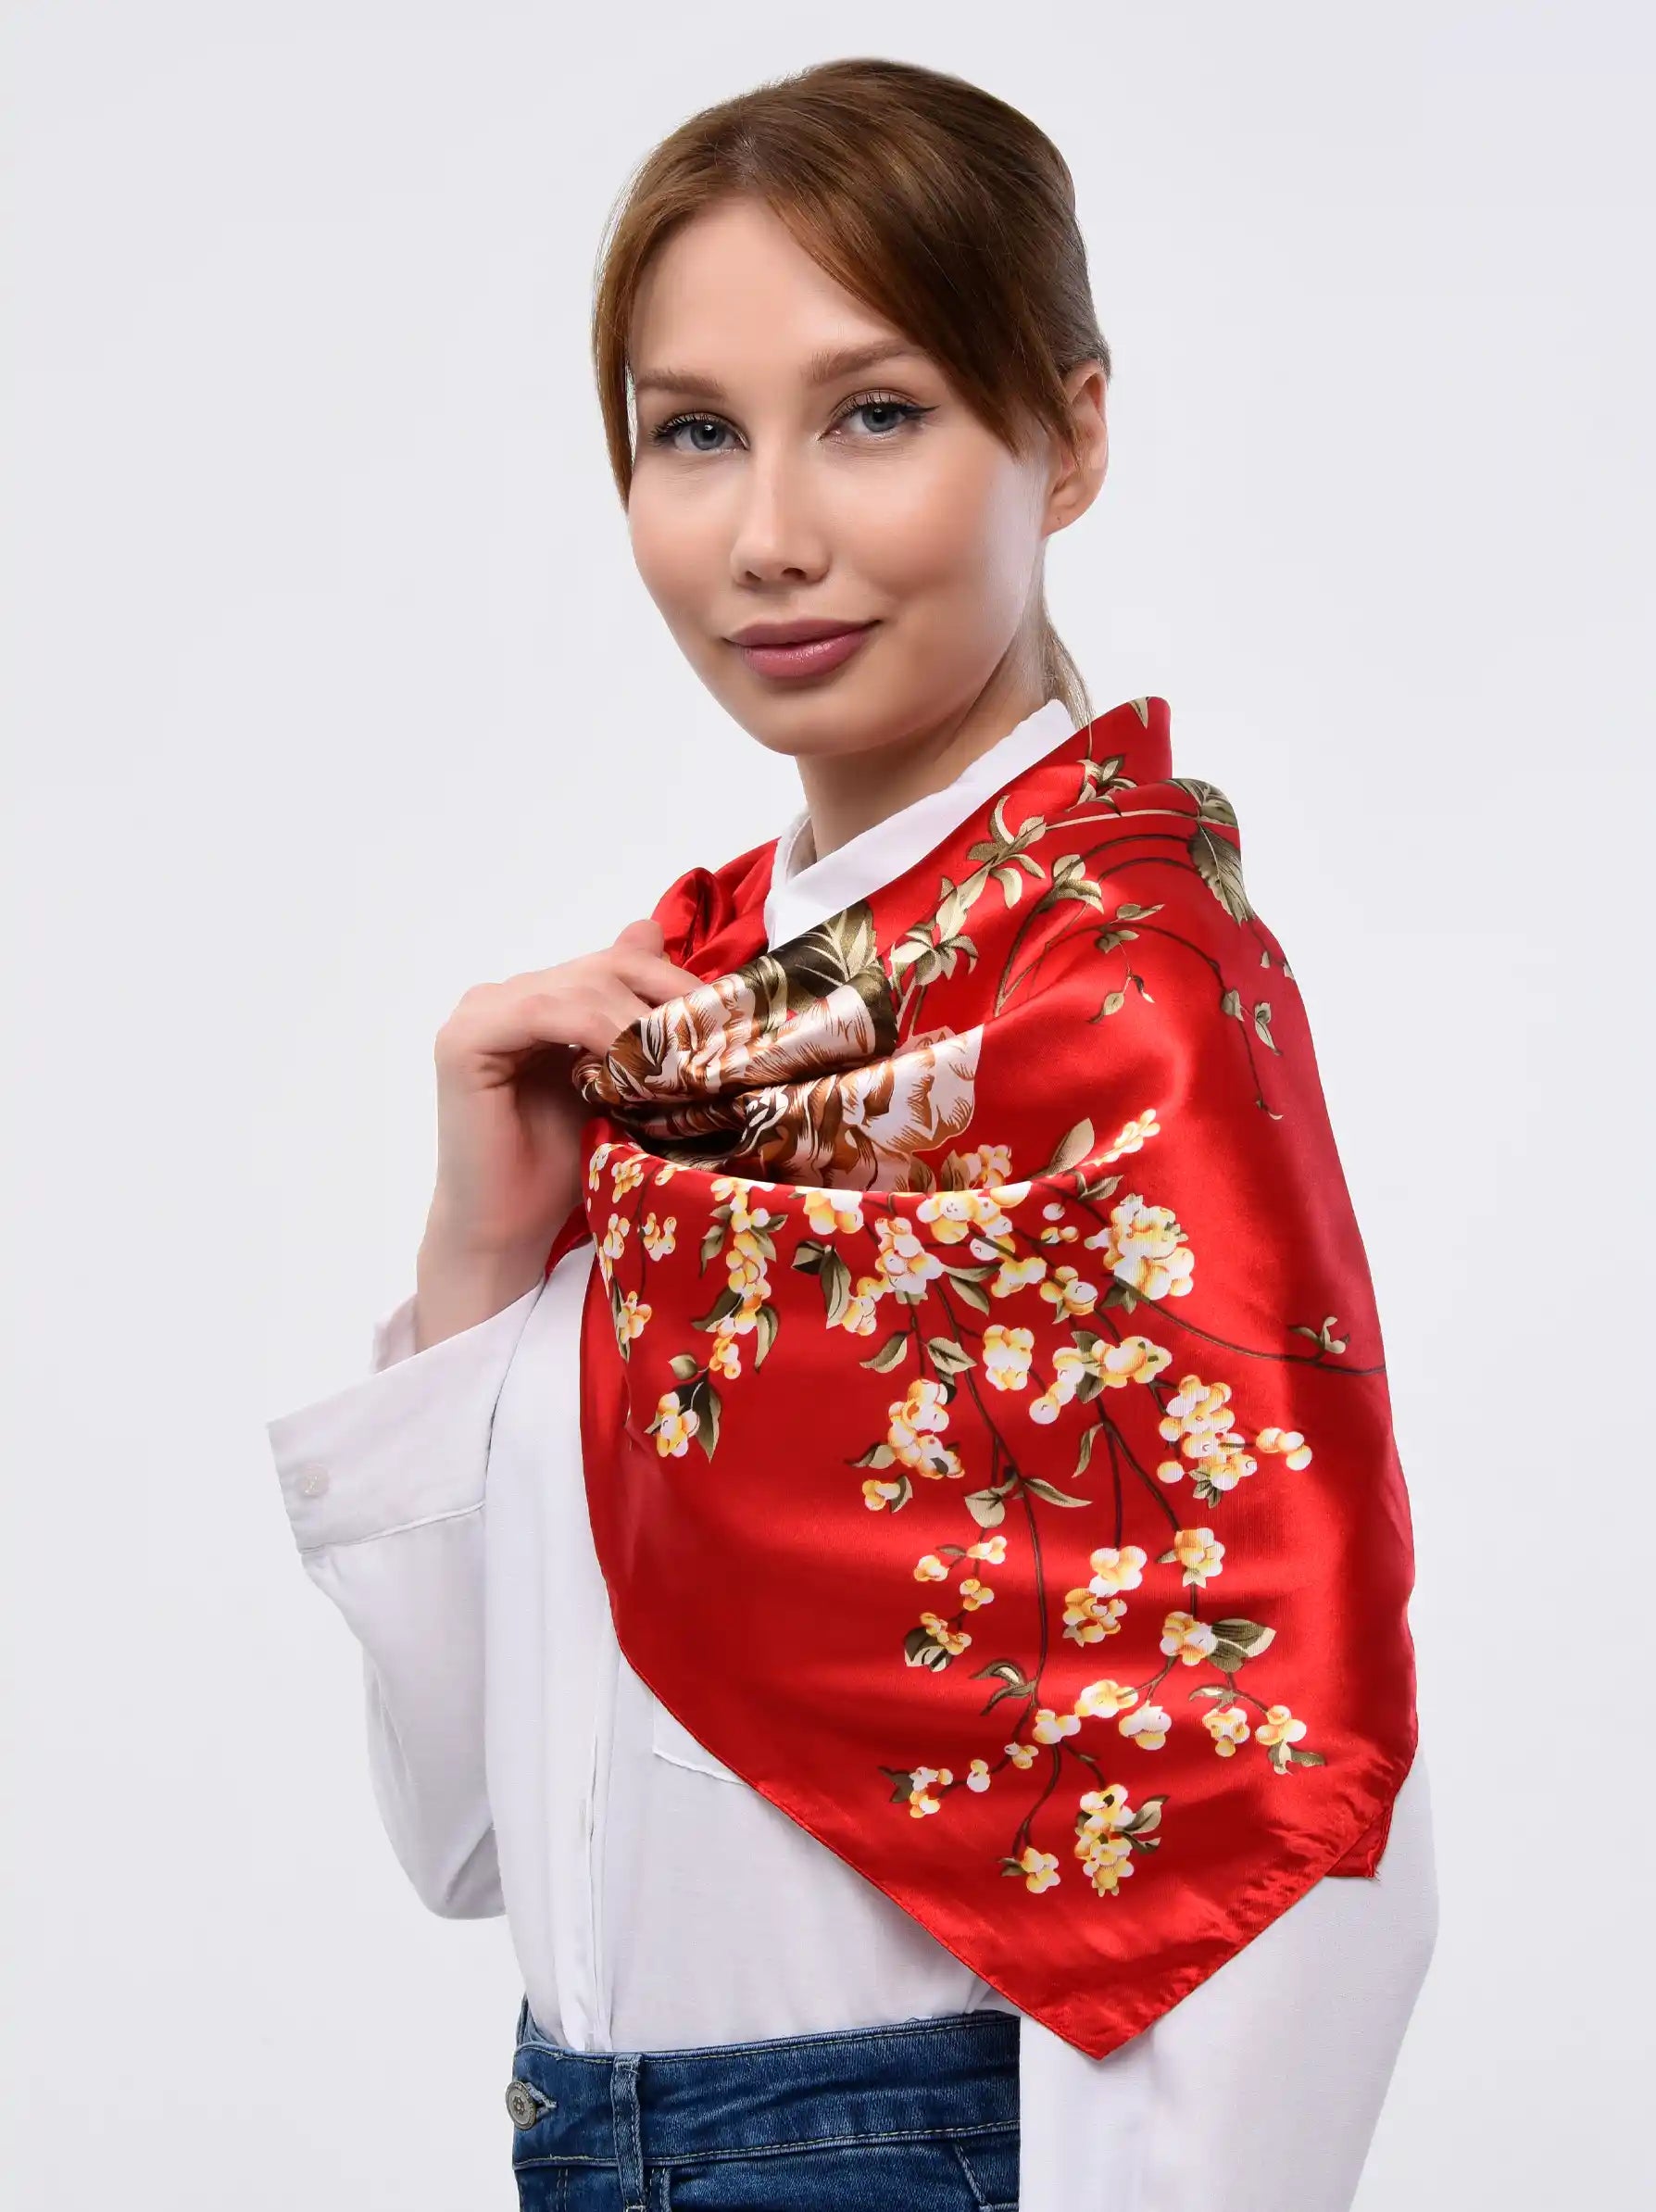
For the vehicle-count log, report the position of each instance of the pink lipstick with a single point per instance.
(801, 648)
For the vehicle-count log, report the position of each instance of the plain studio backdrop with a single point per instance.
(332, 689)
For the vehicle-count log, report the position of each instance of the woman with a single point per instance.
(853, 314)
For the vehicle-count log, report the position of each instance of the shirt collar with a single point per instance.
(800, 898)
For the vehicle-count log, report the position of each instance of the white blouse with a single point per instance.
(654, 1900)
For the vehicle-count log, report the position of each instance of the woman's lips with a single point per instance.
(812, 659)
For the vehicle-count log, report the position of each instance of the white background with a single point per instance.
(331, 690)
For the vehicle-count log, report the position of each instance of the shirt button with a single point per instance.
(313, 1479)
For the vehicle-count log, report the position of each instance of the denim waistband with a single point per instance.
(953, 2073)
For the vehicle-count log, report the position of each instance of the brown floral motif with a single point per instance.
(862, 1130)
(792, 1063)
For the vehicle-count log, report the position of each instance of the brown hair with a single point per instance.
(938, 205)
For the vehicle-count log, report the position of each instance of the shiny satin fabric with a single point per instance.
(986, 1434)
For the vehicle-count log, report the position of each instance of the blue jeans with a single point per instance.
(918, 2118)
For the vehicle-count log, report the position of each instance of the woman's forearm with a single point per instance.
(457, 1285)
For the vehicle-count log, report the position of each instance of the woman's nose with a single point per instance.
(776, 531)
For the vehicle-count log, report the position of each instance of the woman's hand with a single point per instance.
(509, 1120)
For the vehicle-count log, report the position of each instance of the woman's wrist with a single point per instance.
(456, 1287)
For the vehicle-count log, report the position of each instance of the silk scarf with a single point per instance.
(985, 1419)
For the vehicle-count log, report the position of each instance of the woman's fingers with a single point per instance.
(644, 965)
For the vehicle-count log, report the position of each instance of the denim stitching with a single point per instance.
(771, 2150)
(629, 2143)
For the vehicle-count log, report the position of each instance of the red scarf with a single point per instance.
(986, 1434)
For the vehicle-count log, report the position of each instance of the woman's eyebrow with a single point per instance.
(822, 368)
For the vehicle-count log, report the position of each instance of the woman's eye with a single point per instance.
(701, 434)
(904, 410)
(667, 434)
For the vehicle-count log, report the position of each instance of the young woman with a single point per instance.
(884, 1558)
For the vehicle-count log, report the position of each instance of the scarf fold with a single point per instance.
(986, 1435)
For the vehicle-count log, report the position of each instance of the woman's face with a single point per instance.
(773, 484)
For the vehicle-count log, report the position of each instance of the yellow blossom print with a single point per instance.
(904, 1263)
(1107, 1809)
(1144, 1248)
(1133, 1360)
(829, 1212)
(1087, 1621)
(1280, 1732)
(1105, 1853)
(955, 1216)
(1014, 1275)
(1279, 1726)
(1136, 1135)
(953, 1640)
(1022, 1755)
(1228, 1727)
(726, 1358)
(673, 1425)
(1198, 1414)
(1052, 1728)
(1105, 1698)
(974, 1593)
(628, 1176)
(615, 1236)
(594, 1165)
(1197, 1553)
(977, 1774)
(659, 1236)
(917, 1421)
(1040, 1868)
(949, 1213)
(929, 1569)
(1091, 1363)
(1073, 1366)
(1147, 1727)
(1186, 1638)
(877, 1495)
(989, 1164)
(1108, 1832)
(1006, 1356)
(1219, 1467)
(920, 1800)
(1106, 1858)
(631, 1316)
(1066, 1290)
(1198, 1418)
(992, 1548)
(1114, 1570)
(859, 1318)
(1288, 1442)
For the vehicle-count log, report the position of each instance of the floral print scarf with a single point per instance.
(986, 1433)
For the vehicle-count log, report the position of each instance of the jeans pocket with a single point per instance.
(989, 2162)
(924, 2173)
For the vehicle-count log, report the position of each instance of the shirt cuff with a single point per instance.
(407, 1444)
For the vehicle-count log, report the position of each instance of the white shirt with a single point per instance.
(654, 1900)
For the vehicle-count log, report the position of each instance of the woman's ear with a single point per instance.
(1079, 473)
